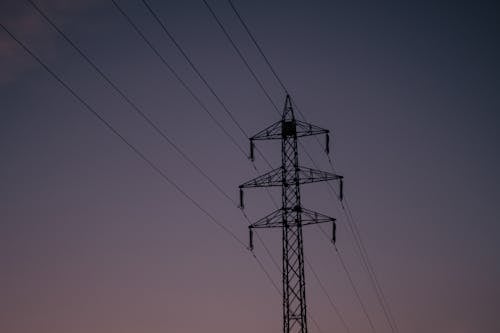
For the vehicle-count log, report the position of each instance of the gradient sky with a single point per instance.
(92, 240)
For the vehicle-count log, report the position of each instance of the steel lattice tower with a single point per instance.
(291, 216)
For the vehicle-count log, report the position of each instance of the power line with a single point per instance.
(247, 65)
(147, 119)
(363, 255)
(271, 67)
(191, 92)
(365, 263)
(291, 216)
(257, 45)
(193, 66)
(157, 53)
(134, 149)
(351, 282)
(240, 54)
(163, 26)
(134, 106)
(315, 322)
(153, 13)
(110, 127)
(370, 271)
(177, 76)
(196, 70)
(268, 62)
(375, 282)
(266, 59)
(252, 72)
(265, 92)
(330, 300)
(355, 289)
(142, 114)
(316, 276)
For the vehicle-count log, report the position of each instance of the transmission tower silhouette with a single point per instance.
(291, 216)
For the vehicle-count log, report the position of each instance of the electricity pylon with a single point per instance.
(291, 216)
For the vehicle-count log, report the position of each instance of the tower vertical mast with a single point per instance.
(294, 294)
(291, 216)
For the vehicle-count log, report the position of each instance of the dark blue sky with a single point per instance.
(93, 240)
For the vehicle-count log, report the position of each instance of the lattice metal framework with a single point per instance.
(291, 216)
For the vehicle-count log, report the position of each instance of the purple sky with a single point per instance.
(93, 240)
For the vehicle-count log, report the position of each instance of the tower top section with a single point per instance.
(288, 110)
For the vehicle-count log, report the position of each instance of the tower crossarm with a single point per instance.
(305, 217)
(271, 178)
(275, 219)
(283, 127)
(312, 217)
(274, 178)
(308, 175)
(272, 132)
(306, 129)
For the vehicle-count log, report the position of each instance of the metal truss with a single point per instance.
(291, 217)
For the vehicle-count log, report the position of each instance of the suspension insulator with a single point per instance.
(327, 144)
(334, 232)
(241, 199)
(251, 150)
(250, 238)
(341, 190)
